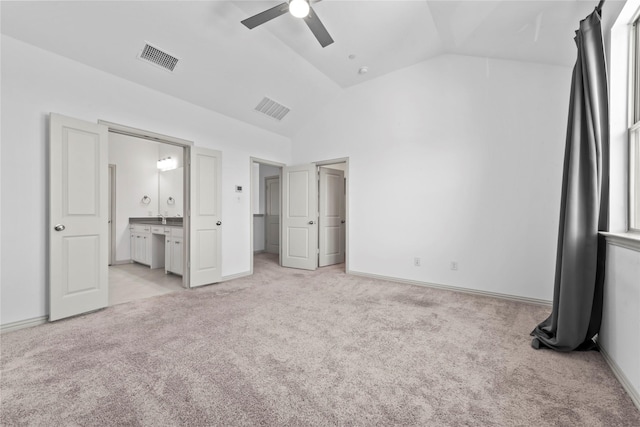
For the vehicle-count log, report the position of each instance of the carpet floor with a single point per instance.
(288, 347)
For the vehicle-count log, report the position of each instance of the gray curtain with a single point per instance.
(580, 261)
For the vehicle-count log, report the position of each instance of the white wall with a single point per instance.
(620, 331)
(36, 82)
(454, 159)
(619, 334)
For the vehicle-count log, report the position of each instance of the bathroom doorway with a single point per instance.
(146, 227)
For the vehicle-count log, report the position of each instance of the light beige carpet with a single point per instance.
(288, 347)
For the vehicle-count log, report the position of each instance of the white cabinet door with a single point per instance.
(205, 242)
(332, 217)
(78, 214)
(146, 249)
(176, 256)
(133, 245)
(167, 253)
(300, 217)
(140, 248)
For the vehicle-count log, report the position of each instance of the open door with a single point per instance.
(205, 243)
(78, 217)
(299, 243)
(332, 217)
(272, 219)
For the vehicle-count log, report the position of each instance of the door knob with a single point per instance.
(59, 227)
(311, 223)
(219, 223)
(343, 221)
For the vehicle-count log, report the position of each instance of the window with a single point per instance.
(634, 133)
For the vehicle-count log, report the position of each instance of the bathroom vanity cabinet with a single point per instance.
(157, 246)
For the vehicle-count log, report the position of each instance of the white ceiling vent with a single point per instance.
(158, 57)
(272, 108)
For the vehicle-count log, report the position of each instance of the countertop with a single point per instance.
(150, 220)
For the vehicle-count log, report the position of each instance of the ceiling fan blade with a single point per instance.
(318, 30)
(265, 16)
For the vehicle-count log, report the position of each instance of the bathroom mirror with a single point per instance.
(170, 192)
(170, 182)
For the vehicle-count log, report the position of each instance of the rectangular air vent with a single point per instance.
(158, 57)
(272, 108)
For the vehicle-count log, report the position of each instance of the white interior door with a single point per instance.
(300, 217)
(205, 240)
(273, 215)
(332, 217)
(78, 215)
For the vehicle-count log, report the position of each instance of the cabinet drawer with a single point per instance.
(158, 230)
(141, 228)
(177, 232)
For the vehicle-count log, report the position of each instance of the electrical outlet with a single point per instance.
(454, 265)
(416, 262)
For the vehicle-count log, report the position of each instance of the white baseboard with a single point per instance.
(21, 324)
(122, 262)
(236, 276)
(454, 288)
(619, 374)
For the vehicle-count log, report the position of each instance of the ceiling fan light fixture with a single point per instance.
(299, 8)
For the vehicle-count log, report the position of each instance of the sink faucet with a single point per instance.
(164, 218)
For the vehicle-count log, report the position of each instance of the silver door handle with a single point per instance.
(219, 223)
(311, 222)
(59, 227)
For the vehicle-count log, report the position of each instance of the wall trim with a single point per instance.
(236, 276)
(622, 378)
(122, 262)
(22, 324)
(509, 297)
(624, 240)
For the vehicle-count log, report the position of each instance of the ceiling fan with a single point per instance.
(299, 9)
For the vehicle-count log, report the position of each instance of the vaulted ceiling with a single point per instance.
(227, 68)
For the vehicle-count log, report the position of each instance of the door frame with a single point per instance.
(330, 162)
(186, 145)
(252, 161)
(112, 212)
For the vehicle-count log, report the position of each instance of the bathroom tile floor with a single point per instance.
(129, 282)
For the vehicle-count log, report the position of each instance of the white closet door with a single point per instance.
(78, 213)
(300, 217)
(205, 240)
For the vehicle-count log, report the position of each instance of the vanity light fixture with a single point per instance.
(167, 164)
